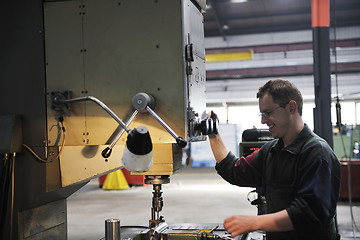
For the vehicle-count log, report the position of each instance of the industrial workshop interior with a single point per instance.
(105, 105)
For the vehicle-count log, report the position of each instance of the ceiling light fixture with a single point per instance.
(225, 27)
(238, 1)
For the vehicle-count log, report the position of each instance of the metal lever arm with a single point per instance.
(107, 151)
(58, 100)
(143, 101)
(180, 141)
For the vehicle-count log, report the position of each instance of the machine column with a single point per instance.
(321, 47)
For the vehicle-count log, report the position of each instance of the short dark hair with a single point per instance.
(282, 92)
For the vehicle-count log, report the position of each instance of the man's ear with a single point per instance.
(292, 106)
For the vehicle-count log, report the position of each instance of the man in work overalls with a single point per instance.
(298, 172)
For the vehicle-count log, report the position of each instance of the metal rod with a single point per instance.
(123, 130)
(97, 101)
(162, 122)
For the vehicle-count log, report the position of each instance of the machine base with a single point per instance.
(180, 231)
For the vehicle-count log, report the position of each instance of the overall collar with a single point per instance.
(296, 145)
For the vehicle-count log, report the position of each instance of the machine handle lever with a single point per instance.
(107, 151)
(180, 141)
(58, 100)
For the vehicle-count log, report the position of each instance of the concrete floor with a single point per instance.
(194, 195)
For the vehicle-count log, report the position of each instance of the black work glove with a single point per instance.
(215, 127)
